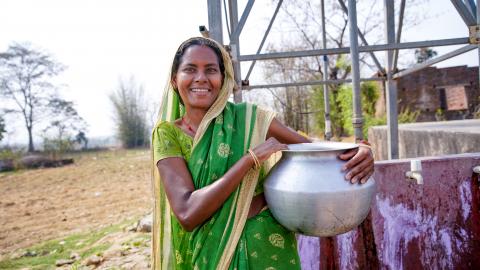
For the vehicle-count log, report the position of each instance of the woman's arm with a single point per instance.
(285, 134)
(192, 207)
(360, 161)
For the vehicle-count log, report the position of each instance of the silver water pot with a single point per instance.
(307, 193)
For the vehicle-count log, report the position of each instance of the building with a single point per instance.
(450, 93)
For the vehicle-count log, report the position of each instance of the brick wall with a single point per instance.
(423, 89)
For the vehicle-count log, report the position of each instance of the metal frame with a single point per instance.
(234, 38)
(326, 99)
(390, 84)
(362, 49)
(357, 119)
(469, 13)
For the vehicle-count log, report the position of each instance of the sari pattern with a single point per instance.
(264, 244)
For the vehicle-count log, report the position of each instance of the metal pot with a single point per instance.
(307, 193)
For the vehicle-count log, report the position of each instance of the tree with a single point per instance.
(2, 128)
(65, 121)
(291, 102)
(26, 84)
(301, 18)
(80, 138)
(130, 113)
(423, 54)
(299, 27)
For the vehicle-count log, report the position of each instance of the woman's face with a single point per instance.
(198, 78)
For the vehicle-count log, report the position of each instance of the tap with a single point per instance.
(415, 173)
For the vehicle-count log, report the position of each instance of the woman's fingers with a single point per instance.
(266, 149)
(348, 155)
(360, 167)
(358, 171)
(360, 155)
(363, 175)
(357, 158)
(365, 179)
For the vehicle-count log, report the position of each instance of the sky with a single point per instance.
(103, 40)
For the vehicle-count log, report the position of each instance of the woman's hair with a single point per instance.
(199, 41)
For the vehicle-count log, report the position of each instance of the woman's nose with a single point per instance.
(200, 76)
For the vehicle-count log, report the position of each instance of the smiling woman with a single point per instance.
(209, 160)
(198, 82)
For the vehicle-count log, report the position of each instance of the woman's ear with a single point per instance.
(174, 82)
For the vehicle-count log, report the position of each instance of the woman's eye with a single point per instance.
(189, 69)
(212, 70)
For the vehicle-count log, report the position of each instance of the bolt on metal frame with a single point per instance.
(469, 12)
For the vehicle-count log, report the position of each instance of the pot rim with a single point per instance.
(320, 147)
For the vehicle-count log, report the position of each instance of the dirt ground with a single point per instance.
(100, 189)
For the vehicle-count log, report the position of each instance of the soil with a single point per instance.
(99, 189)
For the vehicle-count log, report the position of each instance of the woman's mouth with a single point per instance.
(200, 90)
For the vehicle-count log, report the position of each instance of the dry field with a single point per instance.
(100, 189)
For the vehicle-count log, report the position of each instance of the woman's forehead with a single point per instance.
(198, 54)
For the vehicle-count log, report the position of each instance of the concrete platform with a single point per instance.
(429, 138)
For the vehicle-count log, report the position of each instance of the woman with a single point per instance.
(210, 212)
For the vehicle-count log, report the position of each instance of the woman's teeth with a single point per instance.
(199, 90)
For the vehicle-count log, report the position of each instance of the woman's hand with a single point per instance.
(267, 148)
(359, 165)
(360, 161)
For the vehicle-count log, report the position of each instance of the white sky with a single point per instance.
(102, 40)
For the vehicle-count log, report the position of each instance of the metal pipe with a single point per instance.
(473, 8)
(326, 99)
(415, 173)
(227, 18)
(362, 37)
(322, 82)
(215, 20)
(233, 16)
(357, 105)
(478, 23)
(237, 92)
(243, 19)
(464, 12)
(264, 38)
(435, 60)
(235, 45)
(362, 49)
(391, 89)
(399, 33)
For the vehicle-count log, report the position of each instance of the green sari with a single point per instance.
(228, 240)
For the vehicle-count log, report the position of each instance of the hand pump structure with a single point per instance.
(467, 9)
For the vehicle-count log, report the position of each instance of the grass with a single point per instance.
(85, 244)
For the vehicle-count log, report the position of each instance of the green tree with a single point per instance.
(130, 113)
(26, 84)
(341, 108)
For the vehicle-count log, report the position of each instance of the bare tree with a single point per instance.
(64, 123)
(299, 28)
(130, 113)
(26, 84)
(290, 101)
(423, 54)
(2, 128)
